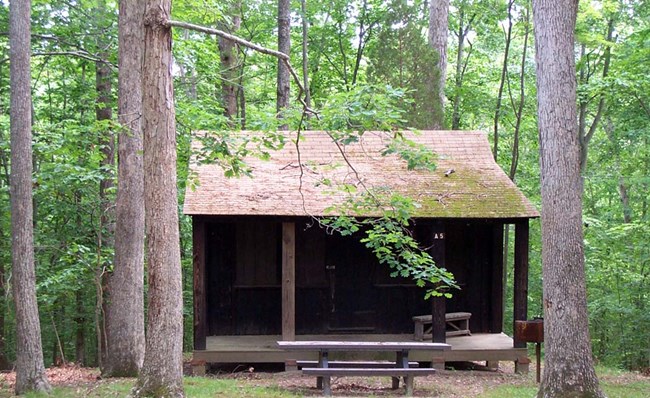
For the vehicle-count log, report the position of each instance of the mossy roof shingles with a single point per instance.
(477, 188)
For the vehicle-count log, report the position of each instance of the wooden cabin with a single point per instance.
(265, 270)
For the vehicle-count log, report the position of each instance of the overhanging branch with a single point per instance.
(281, 56)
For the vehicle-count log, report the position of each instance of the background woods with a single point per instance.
(352, 47)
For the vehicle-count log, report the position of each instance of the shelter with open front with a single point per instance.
(265, 270)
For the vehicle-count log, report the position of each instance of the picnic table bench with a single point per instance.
(401, 367)
(458, 322)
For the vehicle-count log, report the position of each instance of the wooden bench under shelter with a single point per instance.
(458, 322)
(325, 369)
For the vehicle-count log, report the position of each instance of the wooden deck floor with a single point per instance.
(259, 349)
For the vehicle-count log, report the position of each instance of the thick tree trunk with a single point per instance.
(228, 52)
(438, 32)
(284, 46)
(568, 367)
(162, 371)
(30, 371)
(125, 312)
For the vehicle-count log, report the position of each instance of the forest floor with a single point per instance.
(74, 381)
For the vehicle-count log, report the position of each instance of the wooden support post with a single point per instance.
(438, 323)
(495, 323)
(288, 281)
(198, 248)
(492, 365)
(521, 275)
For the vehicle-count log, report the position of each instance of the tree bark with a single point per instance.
(460, 66)
(502, 82)
(305, 59)
(568, 370)
(125, 314)
(30, 370)
(106, 230)
(519, 110)
(228, 53)
(162, 370)
(438, 32)
(284, 46)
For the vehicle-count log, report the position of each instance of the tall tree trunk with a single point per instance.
(125, 313)
(106, 230)
(4, 361)
(30, 370)
(4, 183)
(519, 110)
(569, 369)
(622, 186)
(502, 82)
(80, 335)
(438, 32)
(305, 59)
(584, 134)
(460, 66)
(284, 46)
(228, 53)
(162, 371)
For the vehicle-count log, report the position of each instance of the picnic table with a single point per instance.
(401, 367)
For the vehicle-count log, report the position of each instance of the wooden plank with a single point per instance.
(200, 312)
(355, 364)
(360, 346)
(288, 281)
(495, 322)
(521, 275)
(368, 371)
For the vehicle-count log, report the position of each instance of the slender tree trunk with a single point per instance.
(568, 370)
(622, 186)
(519, 110)
(305, 59)
(228, 53)
(4, 183)
(125, 314)
(502, 82)
(284, 46)
(80, 335)
(4, 361)
(460, 66)
(438, 32)
(162, 371)
(586, 135)
(30, 370)
(106, 230)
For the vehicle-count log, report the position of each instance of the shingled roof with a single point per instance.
(477, 187)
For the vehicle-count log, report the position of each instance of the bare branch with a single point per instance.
(252, 46)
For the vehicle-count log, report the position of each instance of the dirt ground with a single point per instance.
(462, 380)
(466, 380)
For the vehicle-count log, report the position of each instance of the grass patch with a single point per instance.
(637, 389)
(195, 387)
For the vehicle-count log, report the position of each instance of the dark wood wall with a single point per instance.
(475, 256)
(340, 287)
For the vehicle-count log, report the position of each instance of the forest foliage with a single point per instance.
(353, 48)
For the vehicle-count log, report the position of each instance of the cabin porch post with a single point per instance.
(289, 286)
(521, 285)
(200, 320)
